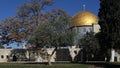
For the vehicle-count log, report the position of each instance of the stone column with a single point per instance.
(118, 58)
(112, 55)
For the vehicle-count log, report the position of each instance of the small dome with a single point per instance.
(84, 18)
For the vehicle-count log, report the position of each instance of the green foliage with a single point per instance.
(109, 20)
(9, 47)
(90, 45)
(36, 27)
(54, 30)
(2, 47)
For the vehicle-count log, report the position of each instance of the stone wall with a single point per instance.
(5, 55)
(62, 54)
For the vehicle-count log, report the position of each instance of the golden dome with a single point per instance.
(84, 18)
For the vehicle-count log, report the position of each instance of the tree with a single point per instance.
(55, 31)
(36, 28)
(90, 46)
(109, 22)
(55, 27)
(9, 47)
(18, 28)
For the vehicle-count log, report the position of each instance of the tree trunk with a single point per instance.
(49, 56)
(49, 62)
(112, 55)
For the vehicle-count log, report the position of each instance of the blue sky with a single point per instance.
(9, 7)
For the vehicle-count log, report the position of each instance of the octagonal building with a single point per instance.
(84, 22)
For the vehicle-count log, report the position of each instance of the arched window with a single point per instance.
(7, 56)
(2, 56)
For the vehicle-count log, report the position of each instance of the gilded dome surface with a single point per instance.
(84, 18)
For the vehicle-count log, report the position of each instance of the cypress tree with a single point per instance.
(109, 21)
